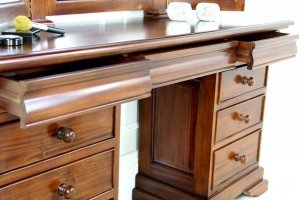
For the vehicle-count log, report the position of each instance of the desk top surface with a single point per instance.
(120, 35)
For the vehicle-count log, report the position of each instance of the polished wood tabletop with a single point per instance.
(111, 37)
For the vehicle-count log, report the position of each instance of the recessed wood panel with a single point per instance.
(174, 125)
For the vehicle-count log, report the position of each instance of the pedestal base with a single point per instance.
(149, 189)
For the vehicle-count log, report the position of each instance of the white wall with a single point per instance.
(281, 134)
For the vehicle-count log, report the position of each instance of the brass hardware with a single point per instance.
(65, 134)
(67, 191)
(240, 158)
(249, 81)
(244, 118)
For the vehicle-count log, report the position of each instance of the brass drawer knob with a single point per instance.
(240, 158)
(67, 191)
(247, 81)
(244, 118)
(65, 134)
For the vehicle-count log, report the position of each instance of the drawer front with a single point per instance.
(184, 64)
(266, 48)
(240, 81)
(44, 99)
(90, 177)
(235, 157)
(20, 147)
(239, 117)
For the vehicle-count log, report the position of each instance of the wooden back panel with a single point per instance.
(42, 8)
(38, 9)
(235, 5)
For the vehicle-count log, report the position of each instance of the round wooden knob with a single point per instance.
(240, 158)
(247, 80)
(244, 118)
(67, 191)
(65, 134)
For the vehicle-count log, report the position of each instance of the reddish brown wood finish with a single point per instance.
(91, 177)
(228, 122)
(259, 50)
(42, 8)
(224, 164)
(182, 153)
(19, 147)
(182, 64)
(175, 105)
(175, 122)
(73, 93)
(94, 44)
(159, 6)
(154, 190)
(179, 157)
(234, 5)
(258, 189)
(231, 82)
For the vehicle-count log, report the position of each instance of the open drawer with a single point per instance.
(40, 96)
(260, 50)
(176, 65)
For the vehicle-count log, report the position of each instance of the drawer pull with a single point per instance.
(244, 118)
(65, 134)
(240, 158)
(247, 81)
(67, 191)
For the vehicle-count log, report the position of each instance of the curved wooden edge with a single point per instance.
(147, 188)
(262, 52)
(257, 189)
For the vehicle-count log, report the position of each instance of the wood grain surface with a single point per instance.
(228, 122)
(72, 93)
(117, 39)
(19, 147)
(224, 164)
(91, 177)
(231, 82)
(262, 50)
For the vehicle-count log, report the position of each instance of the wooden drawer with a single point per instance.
(232, 159)
(239, 117)
(262, 49)
(183, 64)
(240, 81)
(90, 177)
(40, 97)
(20, 147)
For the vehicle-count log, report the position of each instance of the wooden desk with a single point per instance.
(201, 111)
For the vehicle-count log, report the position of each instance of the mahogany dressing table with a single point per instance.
(201, 93)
